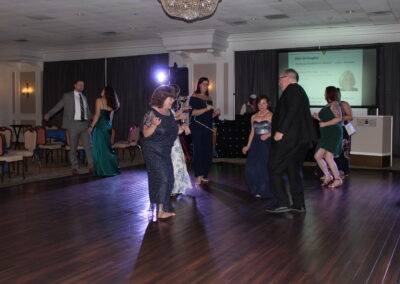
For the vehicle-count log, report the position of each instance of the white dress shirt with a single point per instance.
(78, 106)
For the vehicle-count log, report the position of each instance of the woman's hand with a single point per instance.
(245, 149)
(209, 107)
(186, 128)
(264, 137)
(186, 108)
(155, 121)
(180, 116)
(322, 124)
(89, 130)
(217, 112)
(315, 116)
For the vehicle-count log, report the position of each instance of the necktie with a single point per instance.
(82, 107)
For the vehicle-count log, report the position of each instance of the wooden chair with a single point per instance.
(131, 144)
(7, 132)
(9, 158)
(30, 144)
(44, 145)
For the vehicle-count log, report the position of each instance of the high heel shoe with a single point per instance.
(336, 183)
(327, 180)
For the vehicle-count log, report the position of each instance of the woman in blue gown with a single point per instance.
(104, 158)
(257, 150)
(160, 131)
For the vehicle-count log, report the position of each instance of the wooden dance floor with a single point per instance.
(89, 230)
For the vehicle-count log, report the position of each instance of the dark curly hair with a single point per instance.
(160, 94)
(111, 98)
(201, 80)
(332, 94)
(264, 97)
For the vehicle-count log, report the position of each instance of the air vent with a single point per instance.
(276, 17)
(238, 23)
(21, 40)
(380, 13)
(109, 33)
(41, 18)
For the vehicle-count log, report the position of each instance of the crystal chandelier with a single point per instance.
(189, 10)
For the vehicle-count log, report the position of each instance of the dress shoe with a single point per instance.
(278, 209)
(297, 209)
(74, 172)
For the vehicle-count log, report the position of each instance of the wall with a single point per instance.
(223, 59)
(15, 107)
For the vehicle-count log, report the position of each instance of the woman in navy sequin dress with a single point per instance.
(257, 150)
(160, 131)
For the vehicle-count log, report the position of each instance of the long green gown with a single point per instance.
(105, 160)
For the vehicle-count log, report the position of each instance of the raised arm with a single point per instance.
(347, 112)
(55, 109)
(150, 123)
(335, 108)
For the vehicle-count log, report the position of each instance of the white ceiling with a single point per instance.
(52, 23)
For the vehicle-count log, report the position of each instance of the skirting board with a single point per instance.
(370, 161)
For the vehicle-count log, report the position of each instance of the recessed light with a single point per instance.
(21, 40)
(132, 28)
(79, 14)
(253, 19)
(109, 33)
(350, 12)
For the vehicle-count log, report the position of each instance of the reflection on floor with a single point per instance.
(90, 230)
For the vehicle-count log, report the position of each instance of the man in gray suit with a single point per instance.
(76, 119)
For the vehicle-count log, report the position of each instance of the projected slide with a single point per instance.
(339, 68)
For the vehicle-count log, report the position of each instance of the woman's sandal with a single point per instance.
(336, 183)
(327, 180)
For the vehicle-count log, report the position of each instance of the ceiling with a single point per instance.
(52, 23)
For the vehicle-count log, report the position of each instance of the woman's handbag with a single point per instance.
(350, 128)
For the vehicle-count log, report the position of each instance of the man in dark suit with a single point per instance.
(293, 134)
(76, 119)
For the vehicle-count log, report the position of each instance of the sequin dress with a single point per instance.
(256, 169)
(157, 155)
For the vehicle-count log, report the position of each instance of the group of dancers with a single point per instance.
(276, 148)
(93, 132)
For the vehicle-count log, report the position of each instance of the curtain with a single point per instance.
(133, 80)
(59, 77)
(256, 72)
(389, 87)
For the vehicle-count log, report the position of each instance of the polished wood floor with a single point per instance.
(88, 230)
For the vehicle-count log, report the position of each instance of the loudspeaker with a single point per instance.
(180, 77)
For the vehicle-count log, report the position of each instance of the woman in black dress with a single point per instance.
(160, 131)
(202, 115)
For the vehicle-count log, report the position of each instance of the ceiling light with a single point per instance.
(189, 10)
(79, 14)
(349, 12)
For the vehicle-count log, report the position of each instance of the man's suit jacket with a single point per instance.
(68, 104)
(292, 117)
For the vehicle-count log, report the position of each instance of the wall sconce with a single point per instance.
(27, 90)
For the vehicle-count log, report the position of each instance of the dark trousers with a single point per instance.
(289, 162)
(202, 150)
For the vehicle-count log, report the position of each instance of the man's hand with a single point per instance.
(46, 117)
(278, 136)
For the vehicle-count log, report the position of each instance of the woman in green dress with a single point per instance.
(330, 141)
(105, 160)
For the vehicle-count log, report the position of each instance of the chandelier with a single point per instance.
(189, 10)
